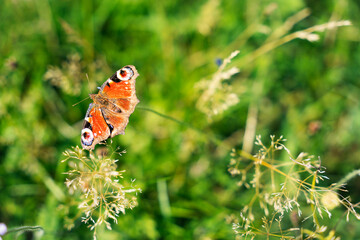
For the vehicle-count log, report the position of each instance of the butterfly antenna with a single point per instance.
(87, 77)
(80, 101)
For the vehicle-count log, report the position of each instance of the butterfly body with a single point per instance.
(109, 114)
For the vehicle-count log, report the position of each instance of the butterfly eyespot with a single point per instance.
(87, 137)
(125, 73)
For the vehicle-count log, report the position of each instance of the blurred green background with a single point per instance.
(307, 91)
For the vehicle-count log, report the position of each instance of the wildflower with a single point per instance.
(283, 189)
(216, 96)
(101, 194)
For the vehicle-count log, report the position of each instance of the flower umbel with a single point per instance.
(284, 189)
(96, 183)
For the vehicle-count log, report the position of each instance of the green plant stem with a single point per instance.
(265, 164)
(312, 198)
(348, 177)
(22, 229)
(209, 136)
(278, 42)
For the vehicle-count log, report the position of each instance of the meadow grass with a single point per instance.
(213, 76)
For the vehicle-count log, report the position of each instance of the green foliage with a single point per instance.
(296, 74)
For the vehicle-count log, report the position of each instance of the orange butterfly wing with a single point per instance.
(113, 106)
(95, 128)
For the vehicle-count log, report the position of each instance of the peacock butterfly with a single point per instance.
(109, 114)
